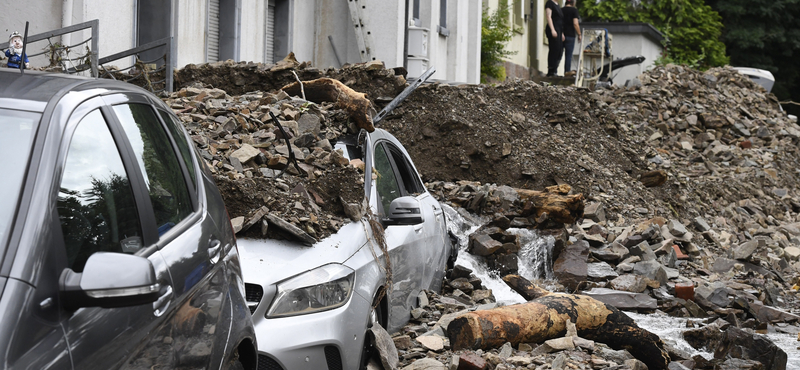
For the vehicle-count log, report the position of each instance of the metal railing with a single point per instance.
(140, 73)
(57, 52)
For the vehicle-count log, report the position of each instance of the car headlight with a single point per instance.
(321, 289)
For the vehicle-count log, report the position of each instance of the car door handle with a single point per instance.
(418, 228)
(214, 247)
(162, 303)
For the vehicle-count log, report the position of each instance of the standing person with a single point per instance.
(554, 35)
(571, 28)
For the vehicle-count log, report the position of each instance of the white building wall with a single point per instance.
(117, 32)
(42, 15)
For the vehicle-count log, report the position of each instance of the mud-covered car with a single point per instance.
(115, 245)
(313, 306)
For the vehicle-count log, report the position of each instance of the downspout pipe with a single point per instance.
(66, 20)
(405, 39)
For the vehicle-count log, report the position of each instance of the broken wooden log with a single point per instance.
(546, 317)
(524, 287)
(555, 203)
(358, 107)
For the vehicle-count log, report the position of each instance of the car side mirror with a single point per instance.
(404, 211)
(110, 280)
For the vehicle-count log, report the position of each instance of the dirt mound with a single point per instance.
(240, 78)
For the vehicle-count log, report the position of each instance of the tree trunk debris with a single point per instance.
(546, 316)
(329, 90)
(654, 178)
(555, 203)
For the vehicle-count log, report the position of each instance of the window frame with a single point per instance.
(195, 215)
(392, 151)
(442, 28)
(135, 179)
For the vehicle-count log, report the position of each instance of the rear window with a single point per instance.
(17, 129)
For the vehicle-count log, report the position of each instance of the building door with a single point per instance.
(154, 21)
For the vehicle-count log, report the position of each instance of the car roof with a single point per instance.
(32, 90)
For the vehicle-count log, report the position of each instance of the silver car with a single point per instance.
(313, 306)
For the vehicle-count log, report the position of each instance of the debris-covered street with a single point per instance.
(685, 179)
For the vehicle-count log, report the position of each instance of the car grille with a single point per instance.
(253, 294)
(268, 363)
(333, 358)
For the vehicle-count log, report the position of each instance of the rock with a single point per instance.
(570, 268)
(745, 250)
(676, 228)
(738, 343)
(483, 245)
(595, 212)
(245, 153)
(652, 270)
(629, 283)
(700, 224)
(426, 364)
(612, 253)
(643, 251)
(402, 342)
(431, 342)
(704, 338)
(471, 361)
(385, 345)
(623, 300)
(560, 344)
(600, 271)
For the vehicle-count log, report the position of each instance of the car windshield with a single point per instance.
(17, 129)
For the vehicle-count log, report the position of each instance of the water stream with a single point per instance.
(535, 264)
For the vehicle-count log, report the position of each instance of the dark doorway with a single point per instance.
(154, 23)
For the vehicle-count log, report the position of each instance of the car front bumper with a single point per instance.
(313, 341)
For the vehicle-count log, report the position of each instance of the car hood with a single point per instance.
(268, 261)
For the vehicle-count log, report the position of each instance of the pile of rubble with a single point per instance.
(722, 217)
(308, 193)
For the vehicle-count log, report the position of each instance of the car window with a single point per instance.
(96, 206)
(175, 130)
(159, 164)
(16, 135)
(409, 180)
(387, 187)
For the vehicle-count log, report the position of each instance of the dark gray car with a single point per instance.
(116, 251)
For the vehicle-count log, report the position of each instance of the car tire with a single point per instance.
(451, 260)
(369, 352)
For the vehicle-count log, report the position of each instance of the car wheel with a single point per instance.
(451, 260)
(369, 352)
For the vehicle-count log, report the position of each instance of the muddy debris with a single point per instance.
(689, 203)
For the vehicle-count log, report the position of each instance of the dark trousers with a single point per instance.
(569, 46)
(554, 55)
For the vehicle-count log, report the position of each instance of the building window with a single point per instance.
(415, 14)
(443, 19)
(519, 15)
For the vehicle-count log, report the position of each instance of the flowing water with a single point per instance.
(535, 264)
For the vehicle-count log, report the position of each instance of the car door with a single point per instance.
(407, 244)
(31, 336)
(101, 209)
(199, 306)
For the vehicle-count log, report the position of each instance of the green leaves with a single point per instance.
(692, 28)
(496, 31)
